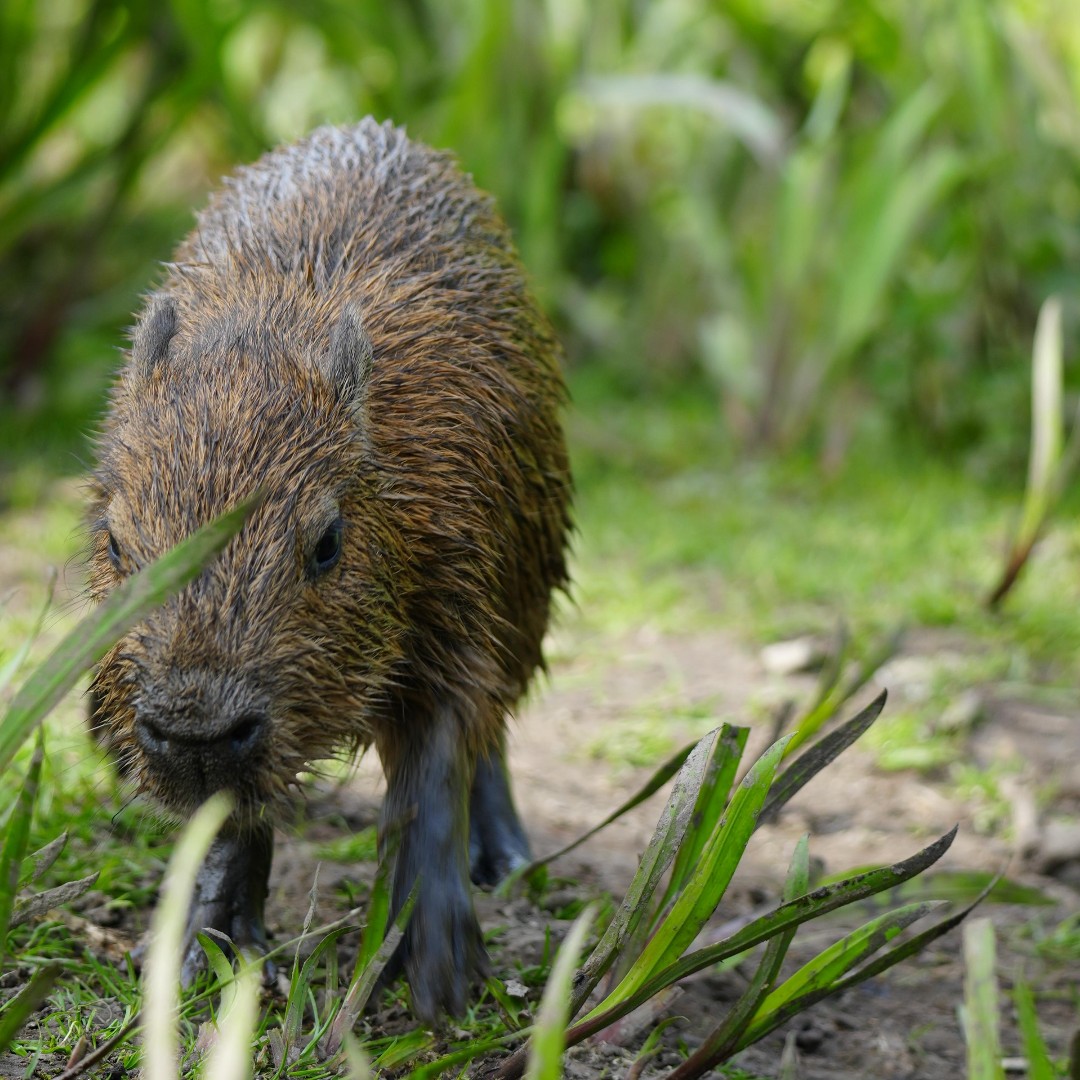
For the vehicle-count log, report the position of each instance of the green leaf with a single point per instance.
(820, 977)
(649, 788)
(88, 642)
(820, 754)
(377, 946)
(721, 1042)
(18, 1009)
(668, 835)
(794, 913)
(980, 1008)
(17, 839)
(708, 807)
(831, 700)
(699, 898)
(549, 1037)
(1039, 1065)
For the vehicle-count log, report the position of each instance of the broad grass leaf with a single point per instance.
(698, 899)
(161, 977)
(980, 1008)
(720, 1043)
(820, 976)
(709, 806)
(670, 831)
(812, 761)
(549, 1035)
(829, 703)
(792, 914)
(656, 781)
(16, 840)
(88, 642)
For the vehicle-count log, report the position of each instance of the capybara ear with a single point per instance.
(347, 363)
(152, 334)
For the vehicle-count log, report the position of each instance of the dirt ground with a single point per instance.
(904, 1024)
(569, 754)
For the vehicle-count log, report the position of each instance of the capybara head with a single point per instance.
(266, 661)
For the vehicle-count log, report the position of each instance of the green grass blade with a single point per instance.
(1039, 1065)
(549, 1038)
(708, 807)
(378, 916)
(363, 982)
(9, 669)
(162, 974)
(980, 1008)
(94, 636)
(909, 947)
(220, 964)
(721, 1042)
(821, 754)
(230, 1057)
(20, 1008)
(17, 840)
(792, 914)
(820, 977)
(703, 892)
(668, 835)
(824, 710)
(1045, 458)
(300, 986)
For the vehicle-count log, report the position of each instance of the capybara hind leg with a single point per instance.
(497, 841)
(230, 893)
(426, 815)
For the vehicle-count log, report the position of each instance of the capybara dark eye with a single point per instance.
(114, 551)
(327, 550)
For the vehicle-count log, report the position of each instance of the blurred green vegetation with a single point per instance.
(826, 221)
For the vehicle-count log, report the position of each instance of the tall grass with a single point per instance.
(825, 219)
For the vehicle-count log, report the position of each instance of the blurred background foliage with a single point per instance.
(826, 221)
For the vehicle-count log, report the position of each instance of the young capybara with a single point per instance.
(348, 332)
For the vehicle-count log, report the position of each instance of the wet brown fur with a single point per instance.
(446, 462)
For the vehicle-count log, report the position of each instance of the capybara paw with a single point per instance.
(496, 855)
(443, 949)
(245, 932)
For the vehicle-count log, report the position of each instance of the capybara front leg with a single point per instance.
(426, 815)
(230, 894)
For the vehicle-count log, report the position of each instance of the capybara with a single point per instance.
(347, 331)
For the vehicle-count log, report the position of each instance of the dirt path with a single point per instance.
(600, 702)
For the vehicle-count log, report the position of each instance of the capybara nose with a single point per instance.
(246, 734)
(234, 742)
